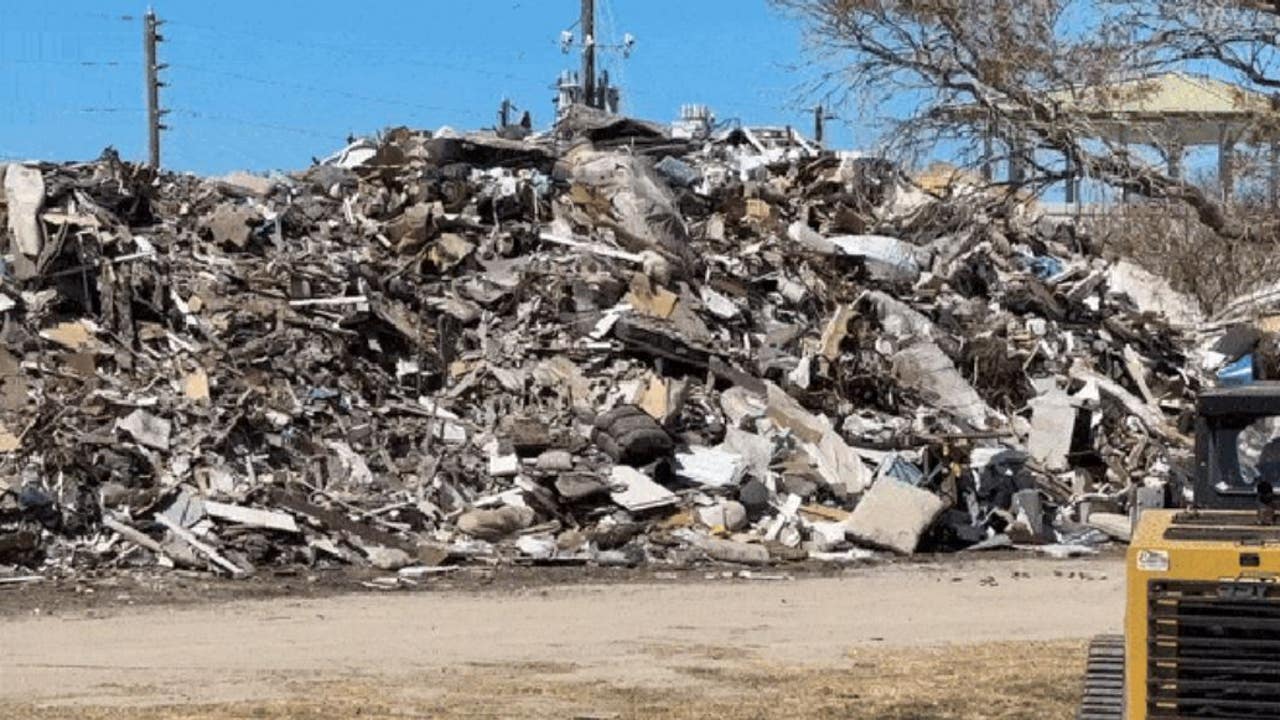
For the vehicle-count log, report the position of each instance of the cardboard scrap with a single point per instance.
(646, 299)
(8, 441)
(196, 386)
(73, 336)
(663, 398)
(836, 330)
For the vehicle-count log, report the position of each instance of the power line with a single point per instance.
(108, 110)
(86, 110)
(245, 122)
(364, 52)
(47, 13)
(310, 88)
(73, 63)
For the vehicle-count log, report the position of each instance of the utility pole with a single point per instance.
(150, 39)
(589, 53)
(820, 118)
(587, 87)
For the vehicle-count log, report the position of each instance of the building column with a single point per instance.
(1073, 183)
(1125, 193)
(1173, 158)
(1273, 175)
(1017, 161)
(1226, 162)
(988, 155)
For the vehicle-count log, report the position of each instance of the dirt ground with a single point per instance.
(962, 639)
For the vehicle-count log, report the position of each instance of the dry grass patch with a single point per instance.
(1002, 681)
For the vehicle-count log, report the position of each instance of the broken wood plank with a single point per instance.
(22, 580)
(133, 535)
(314, 302)
(251, 517)
(593, 248)
(208, 551)
(335, 520)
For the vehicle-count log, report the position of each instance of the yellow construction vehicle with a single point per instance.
(1202, 620)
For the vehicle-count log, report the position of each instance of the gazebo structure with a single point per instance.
(1171, 113)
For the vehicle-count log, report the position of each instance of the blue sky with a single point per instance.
(269, 85)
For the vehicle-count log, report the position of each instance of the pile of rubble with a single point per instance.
(600, 345)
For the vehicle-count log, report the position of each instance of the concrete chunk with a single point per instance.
(232, 225)
(494, 525)
(1115, 525)
(893, 515)
(735, 552)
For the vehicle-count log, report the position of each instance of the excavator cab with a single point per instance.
(1202, 619)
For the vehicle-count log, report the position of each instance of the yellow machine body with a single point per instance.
(1225, 555)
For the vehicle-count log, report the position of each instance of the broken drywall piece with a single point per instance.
(926, 369)
(503, 464)
(251, 517)
(898, 319)
(893, 515)
(717, 304)
(886, 258)
(1151, 417)
(755, 450)
(839, 465)
(787, 413)
(711, 467)
(1151, 293)
(1053, 420)
(636, 492)
(357, 470)
(146, 429)
(24, 198)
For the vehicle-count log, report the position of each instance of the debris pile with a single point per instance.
(602, 345)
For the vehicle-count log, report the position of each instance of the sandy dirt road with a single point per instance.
(454, 654)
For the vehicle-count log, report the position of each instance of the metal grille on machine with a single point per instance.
(1214, 650)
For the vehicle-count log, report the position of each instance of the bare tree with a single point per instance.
(1239, 36)
(1021, 69)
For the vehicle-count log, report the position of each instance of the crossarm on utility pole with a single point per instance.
(589, 53)
(150, 39)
